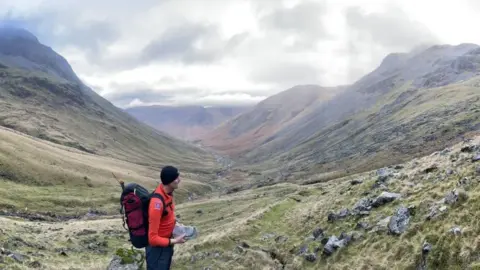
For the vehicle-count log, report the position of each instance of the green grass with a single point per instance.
(65, 113)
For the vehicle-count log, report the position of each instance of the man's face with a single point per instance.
(174, 184)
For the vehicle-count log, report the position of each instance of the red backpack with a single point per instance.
(134, 202)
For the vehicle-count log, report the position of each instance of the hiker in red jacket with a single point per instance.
(161, 223)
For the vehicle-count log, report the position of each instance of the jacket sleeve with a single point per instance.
(155, 210)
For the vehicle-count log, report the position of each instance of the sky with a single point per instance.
(233, 52)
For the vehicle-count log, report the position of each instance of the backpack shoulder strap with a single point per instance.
(156, 195)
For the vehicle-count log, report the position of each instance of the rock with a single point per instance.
(86, 232)
(455, 230)
(382, 225)
(455, 196)
(244, 245)
(342, 214)
(478, 170)
(303, 249)
(363, 205)
(311, 257)
(467, 149)
(116, 264)
(463, 182)
(199, 211)
(425, 251)
(281, 239)
(239, 249)
(476, 158)
(18, 257)
(385, 197)
(317, 233)
(399, 222)
(347, 237)
(35, 264)
(449, 172)
(267, 236)
(362, 225)
(333, 244)
(436, 211)
(431, 168)
(356, 182)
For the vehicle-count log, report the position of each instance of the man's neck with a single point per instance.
(167, 189)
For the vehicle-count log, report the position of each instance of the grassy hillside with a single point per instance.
(410, 105)
(405, 123)
(41, 95)
(60, 111)
(261, 123)
(288, 226)
(42, 177)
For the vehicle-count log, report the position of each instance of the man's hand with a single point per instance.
(179, 239)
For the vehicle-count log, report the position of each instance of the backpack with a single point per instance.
(134, 202)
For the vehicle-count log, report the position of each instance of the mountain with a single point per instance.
(40, 95)
(253, 127)
(185, 122)
(412, 104)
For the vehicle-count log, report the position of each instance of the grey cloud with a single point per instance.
(304, 17)
(92, 37)
(122, 99)
(303, 21)
(375, 35)
(394, 29)
(286, 74)
(178, 44)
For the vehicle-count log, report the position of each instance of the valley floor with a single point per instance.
(376, 220)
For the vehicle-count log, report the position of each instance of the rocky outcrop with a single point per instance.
(385, 197)
(399, 222)
(341, 214)
(116, 264)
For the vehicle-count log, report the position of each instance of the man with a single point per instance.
(159, 253)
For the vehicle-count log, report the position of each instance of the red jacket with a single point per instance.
(160, 227)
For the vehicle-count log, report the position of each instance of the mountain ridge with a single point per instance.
(384, 100)
(37, 79)
(251, 128)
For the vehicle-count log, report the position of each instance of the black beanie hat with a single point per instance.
(168, 174)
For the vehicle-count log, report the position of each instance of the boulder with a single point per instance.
(385, 197)
(356, 182)
(426, 248)
(455, 230)
(116, 264)
(281, 239)
(454, 196)
(399, 222)
(435, 211)
(311, 257)
(382, 225)
(362, 225)
(318, 233)
(341, 214)
(431, 168)
(333, 244)
(363, 205)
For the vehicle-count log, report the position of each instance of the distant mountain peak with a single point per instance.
(17, 33)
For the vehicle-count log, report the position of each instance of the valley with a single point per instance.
(380, 174)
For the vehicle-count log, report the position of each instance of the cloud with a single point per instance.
(189, 51)
(391, 29)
